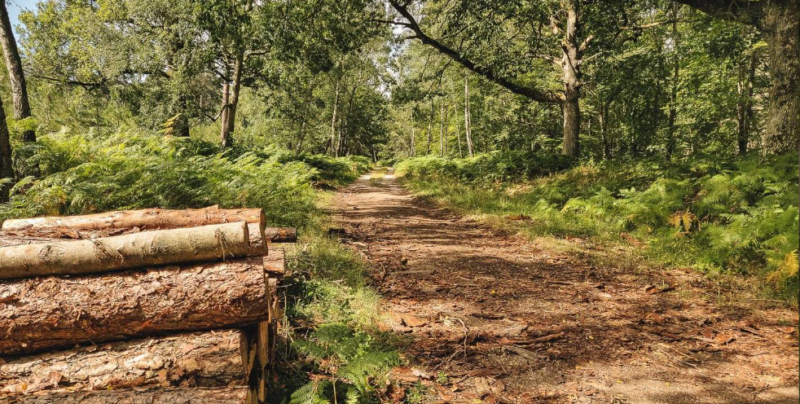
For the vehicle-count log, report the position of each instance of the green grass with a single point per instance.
(737, 217)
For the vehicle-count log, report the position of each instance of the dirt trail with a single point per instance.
(493, 318)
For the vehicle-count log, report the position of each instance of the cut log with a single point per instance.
(258, 241)
(145, 219)
(207, 359)
(151, 395)
(281, 234)
(127, 251)
(275, 262)
(56, 312)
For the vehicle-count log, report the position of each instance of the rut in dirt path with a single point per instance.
(495, 318)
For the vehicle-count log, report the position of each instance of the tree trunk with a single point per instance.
(16, 76)
(55, 312)
(160, 247)
(334, 150)
(467, 118)
(781, 27)
(441, 129)
(6, 167)
(458, 130)
(151, 395)
(430, 129)
(744, 105)
(143, 219)
(673, 98)
(412, 151)
(603, 117)
(223, 115)
(229, 123)
(205, 359)
(570, 64)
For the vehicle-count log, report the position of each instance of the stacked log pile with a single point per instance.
(150, 306)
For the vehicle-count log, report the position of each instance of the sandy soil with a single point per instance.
(491, 317)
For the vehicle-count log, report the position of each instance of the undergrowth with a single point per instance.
(719, 216)
(95, 172)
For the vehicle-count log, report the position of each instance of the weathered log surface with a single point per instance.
(56, 312)
(151, 395)
(128, 251)
(209, 359)
(144, 219)
(275, 262)
(258, 241)
(281, 234)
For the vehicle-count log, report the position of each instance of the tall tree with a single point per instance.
(6, 167)
(565, 22)
(19, 90)
(779, 22)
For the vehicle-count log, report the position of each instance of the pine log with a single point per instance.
(56, 312)
(145, 219)
(275, 262)
(208, 359)
(150, 395)
(258, 241)
(128, 251)
(281, 234)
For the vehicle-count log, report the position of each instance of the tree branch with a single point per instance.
(744, 11)
(534, 94)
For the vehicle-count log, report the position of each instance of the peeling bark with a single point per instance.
(53, 312)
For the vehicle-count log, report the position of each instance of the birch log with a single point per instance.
(56, 312)
(151, 395)
(144, 219)
(207, 359)
(128, 251)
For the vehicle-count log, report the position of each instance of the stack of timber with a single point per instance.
(145, 306)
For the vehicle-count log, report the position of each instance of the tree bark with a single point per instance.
(143, 219)
(781, 27)
(673, 99)
(16, 76)
(441, 129)
(467, 118)
(281, 234)
(744, 105)
(229, 124)
(335, 150)
(206, 359)
(430, 129)
(412, 151)
(6, 167)
(151, 395)
(137, 250)
(570, 64)
(603, 118)
(55, 312)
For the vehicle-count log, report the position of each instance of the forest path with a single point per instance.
(490, 317)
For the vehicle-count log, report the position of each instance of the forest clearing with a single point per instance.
(399, 201)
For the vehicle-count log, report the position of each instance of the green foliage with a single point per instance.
(94, 172)
(354, 361)
(720, 216)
